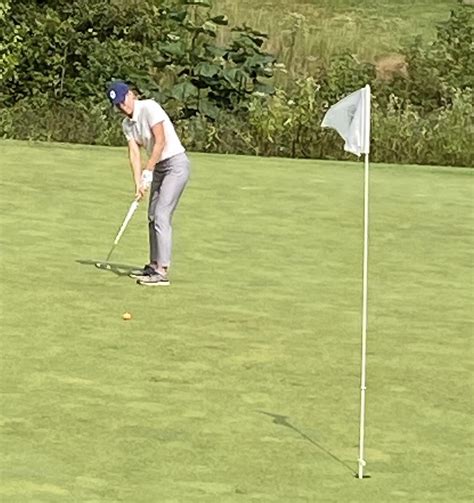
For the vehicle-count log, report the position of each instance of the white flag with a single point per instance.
(350, 117)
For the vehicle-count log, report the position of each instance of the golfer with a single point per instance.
(165, 174)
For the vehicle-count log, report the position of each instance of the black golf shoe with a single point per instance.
(147, 271)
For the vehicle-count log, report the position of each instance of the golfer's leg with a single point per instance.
(170, 192)
(153, 201)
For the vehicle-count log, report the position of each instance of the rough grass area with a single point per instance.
(305, 34)
(240, 382)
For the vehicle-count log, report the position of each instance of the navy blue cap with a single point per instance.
(117, 92)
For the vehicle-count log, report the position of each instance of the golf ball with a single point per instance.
(126, 316)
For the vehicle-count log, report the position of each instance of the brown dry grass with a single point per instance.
(391, 65)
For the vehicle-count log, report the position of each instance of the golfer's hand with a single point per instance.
(139, 192)
(145, 183)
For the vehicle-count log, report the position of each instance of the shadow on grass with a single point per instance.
(117, 269)
(283, 421)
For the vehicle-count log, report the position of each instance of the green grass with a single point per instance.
(305, 33)
(262, 318)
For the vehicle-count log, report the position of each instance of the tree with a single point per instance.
(57, 50)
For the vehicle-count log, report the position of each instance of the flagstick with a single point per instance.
(350, 117)
(362, 462)
(363, 388)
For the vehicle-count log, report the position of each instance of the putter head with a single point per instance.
(102, 265)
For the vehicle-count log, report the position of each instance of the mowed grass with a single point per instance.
(240, 382)
(304, 34)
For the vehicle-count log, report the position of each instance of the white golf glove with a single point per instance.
(146, 179)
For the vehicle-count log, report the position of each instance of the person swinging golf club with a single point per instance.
(164, 174)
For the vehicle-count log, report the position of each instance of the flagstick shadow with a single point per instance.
(283, 421)
(114, 268)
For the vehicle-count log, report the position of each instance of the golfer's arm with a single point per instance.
(159, 134)
(135, 161)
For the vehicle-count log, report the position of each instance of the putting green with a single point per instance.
(240, 382)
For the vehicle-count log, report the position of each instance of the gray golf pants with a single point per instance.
(169, 179)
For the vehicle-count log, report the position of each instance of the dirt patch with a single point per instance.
(390, 66)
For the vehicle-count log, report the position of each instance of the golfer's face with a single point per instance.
(126, 106)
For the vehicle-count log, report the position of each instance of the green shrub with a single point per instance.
(289, 127)
(57, 50)
(66, 121)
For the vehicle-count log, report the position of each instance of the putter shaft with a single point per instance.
(128, 217)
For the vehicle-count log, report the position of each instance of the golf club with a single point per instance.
(128, 217)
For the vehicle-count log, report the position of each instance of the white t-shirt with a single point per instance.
(146, 114)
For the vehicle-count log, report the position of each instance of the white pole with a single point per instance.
(363, 373)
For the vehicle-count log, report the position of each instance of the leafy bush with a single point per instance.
(57, 50)
(443, 137)
(283, 126)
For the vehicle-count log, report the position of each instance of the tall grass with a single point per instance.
(307, 34)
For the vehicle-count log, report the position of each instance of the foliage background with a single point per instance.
(230, 88)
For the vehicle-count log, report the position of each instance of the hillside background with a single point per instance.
(244, 77)
(303, 34)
